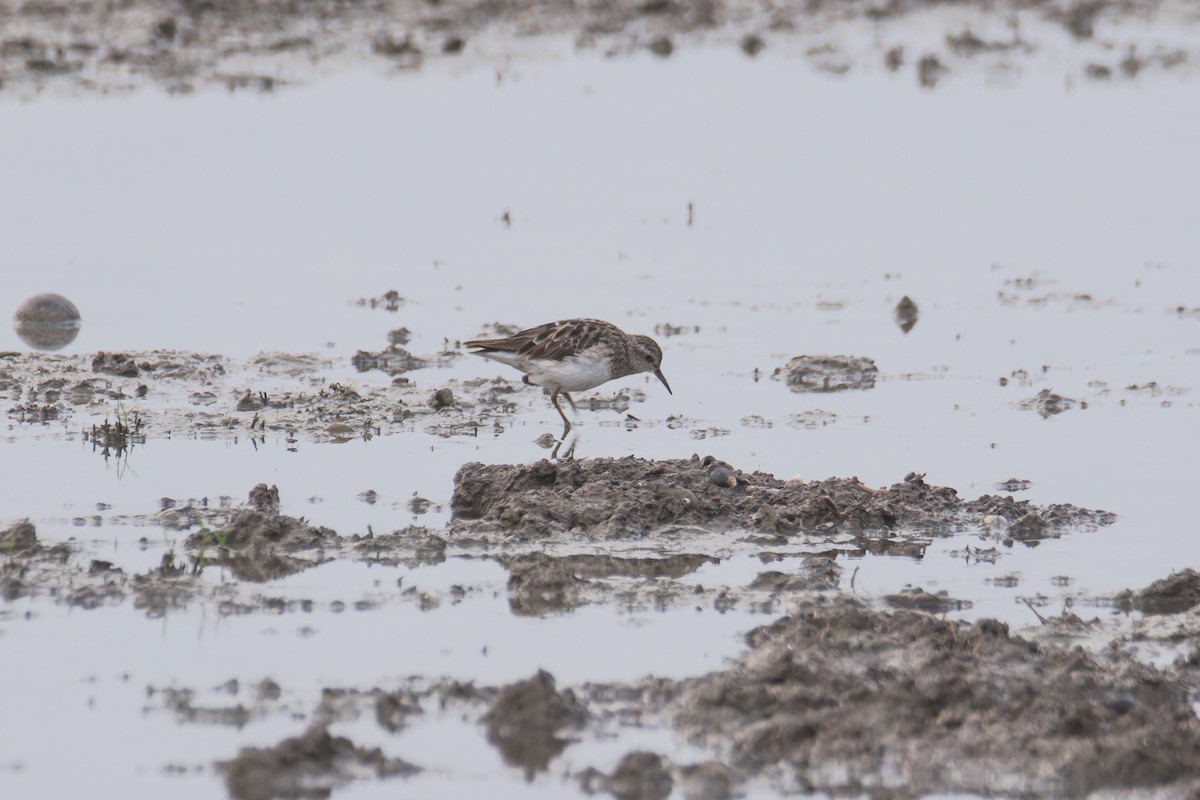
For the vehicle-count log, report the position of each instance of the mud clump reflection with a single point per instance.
(47, 322)
(1171, 595)
(839, 697)
(310, 765)
(816, 574)
(540, 584)
(639, 775)
(828, 373)
(526, 721)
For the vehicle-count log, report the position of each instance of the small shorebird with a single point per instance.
(573, 355)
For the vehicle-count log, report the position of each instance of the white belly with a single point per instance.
(574, 374)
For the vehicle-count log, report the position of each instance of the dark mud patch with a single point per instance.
(264, 45)
(310, 765)
(914, 597)
(906, 313)
(633, 498)
(529, 722)
(839, 698)
(828, 373)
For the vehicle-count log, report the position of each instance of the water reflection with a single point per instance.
(47, 322)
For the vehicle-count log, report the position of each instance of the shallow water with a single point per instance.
(1039, 227)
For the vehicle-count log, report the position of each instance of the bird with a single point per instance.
(573, 355)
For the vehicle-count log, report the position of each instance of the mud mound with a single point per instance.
(632, 497)
(839, 698)
(118, 364)
(258, 542)
(310, 765)
(527, 718)
(19, 538)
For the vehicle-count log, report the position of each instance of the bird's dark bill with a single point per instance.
(658, 374)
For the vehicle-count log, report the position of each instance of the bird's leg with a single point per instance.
(566, 422)
(572, 402)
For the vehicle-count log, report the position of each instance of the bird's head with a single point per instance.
(650, 355)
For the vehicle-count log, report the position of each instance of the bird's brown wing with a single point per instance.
(554, 340)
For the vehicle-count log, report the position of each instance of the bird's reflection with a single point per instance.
(571, 438)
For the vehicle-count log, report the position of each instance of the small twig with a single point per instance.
(1041, 619)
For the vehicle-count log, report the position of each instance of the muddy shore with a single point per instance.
(833, 697)
(951, 705)
(182, 45)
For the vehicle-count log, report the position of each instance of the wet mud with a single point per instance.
(182, 45)
(252, 545)
(834, 697)
(841, 698)
(894, 698)
(530, 721)
(122, 399)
